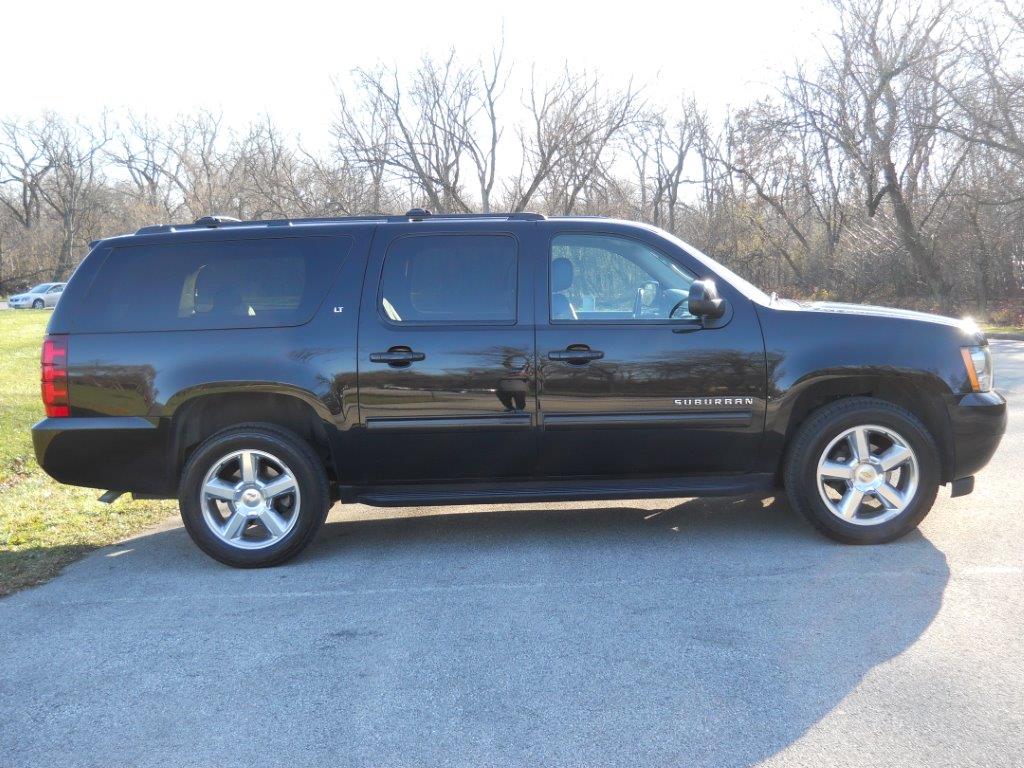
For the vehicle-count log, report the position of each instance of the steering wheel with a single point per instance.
(676, 306)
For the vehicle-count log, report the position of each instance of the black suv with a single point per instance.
(260, 370)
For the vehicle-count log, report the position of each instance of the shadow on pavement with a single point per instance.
(715, 632)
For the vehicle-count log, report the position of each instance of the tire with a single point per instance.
(37, 304)
(260, 520)
(824, 471)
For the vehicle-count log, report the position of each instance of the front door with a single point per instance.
(446, 352)
(628, 382)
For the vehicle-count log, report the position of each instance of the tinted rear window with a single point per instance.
(222, 284)
(450, 279)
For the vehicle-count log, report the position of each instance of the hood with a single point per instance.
(866, 310)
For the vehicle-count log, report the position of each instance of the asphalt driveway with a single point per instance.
(690, 632)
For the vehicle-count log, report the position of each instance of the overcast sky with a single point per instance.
(247, 59)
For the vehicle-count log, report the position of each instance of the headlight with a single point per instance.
(978, 361)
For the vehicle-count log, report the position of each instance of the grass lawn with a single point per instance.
(45, 525)
(1006, 331)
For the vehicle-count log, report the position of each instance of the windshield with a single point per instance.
(40, 288)
(745, 287)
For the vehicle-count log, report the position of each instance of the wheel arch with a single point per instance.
(198, 415)
(922, 395)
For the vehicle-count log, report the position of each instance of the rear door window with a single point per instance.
(429, 279)
(222, 284)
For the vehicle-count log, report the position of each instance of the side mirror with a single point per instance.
(703, 300)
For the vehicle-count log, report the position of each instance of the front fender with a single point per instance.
(814, 358)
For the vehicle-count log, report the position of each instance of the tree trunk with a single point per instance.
(921, 256)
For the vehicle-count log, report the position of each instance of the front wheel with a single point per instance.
(253, 496)
(37, 304)
(863, 471)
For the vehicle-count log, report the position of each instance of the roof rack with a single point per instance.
(421, 214)
(412, 215)
(215, 221)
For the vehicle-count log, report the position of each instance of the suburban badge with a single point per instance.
(712, 402)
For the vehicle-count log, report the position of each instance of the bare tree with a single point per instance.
(198, 167)
(568, 143)
(72, 187)
(877, 100)
(795, 180)
(989, 93)
(23, 166)
(140, 148)
(428, 133)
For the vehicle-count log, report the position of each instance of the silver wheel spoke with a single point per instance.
(833, 470)
(893, 457)
(859, 442)
(890, 497)
(850, 503)
(248, 462)
(279, 485)
(275, 524)
(219, 489)
(235, 526)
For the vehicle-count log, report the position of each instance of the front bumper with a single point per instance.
(978, 422)
(123, 453)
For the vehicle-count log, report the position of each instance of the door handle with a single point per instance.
(397, 357)
(575, 354)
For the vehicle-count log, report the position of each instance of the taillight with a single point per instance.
(55, 376)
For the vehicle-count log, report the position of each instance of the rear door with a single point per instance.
(630, 383)
(446, 351)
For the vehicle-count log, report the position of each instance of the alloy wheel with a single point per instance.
(250, 499)
(867, 475)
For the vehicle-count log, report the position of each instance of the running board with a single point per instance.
(426, 495)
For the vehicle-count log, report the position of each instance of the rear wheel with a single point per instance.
(253, 496)
(863, 471)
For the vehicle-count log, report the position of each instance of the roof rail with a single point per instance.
(227, 221)
(422, 214)
(413, 215)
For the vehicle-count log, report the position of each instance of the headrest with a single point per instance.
(562, 273)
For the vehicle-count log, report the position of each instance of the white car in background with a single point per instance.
(43, 295)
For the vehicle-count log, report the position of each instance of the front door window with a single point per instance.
(602, 278)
